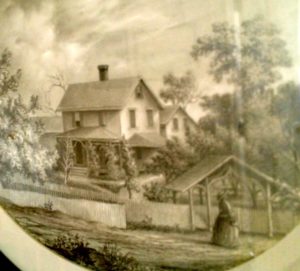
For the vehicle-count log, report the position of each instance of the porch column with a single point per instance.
(208, 206)
(120, 155)
(269, 210)
(87, 145)
(191, 204)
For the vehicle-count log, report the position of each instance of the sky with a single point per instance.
(134, 37)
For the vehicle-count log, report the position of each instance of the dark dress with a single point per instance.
(225, 231)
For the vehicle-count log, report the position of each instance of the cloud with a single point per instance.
(149, 38)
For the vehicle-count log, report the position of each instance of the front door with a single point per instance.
(80, 154)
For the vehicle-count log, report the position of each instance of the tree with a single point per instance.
(58, 80)
(129, 167)
(20, 149)
(171, 160)
(66, 157)
(222, 109)
(251, 65)
(180, 90)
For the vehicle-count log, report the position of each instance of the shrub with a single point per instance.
(157, 192)
(114, 260)
(74, 248)
(114, 171)
(48, 205)
(109, 257)
(171, 160)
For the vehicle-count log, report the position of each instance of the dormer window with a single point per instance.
(76, 119)
(139, 92)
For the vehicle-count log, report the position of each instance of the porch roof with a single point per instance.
(147, 140)
(92, 133)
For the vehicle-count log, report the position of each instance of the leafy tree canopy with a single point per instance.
(247, 56)
(20, 150)
(180, 90)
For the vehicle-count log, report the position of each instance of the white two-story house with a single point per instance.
(105, 111)
(108, 110)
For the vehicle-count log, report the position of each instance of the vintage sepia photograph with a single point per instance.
(150, 135)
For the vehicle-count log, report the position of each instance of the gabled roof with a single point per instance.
(168, 112)
(52, 124)
(147, 140)
(100, 133)
(208, 166)
(101, 95)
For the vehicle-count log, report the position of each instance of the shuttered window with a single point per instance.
(132, 118)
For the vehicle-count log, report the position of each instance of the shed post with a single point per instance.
(174, 195)
(208, 205)
(269, 208)
(191, 209)
(201, 195)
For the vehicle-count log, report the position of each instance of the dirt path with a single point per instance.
(171, 250)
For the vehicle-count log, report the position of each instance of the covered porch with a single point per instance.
(89, 146)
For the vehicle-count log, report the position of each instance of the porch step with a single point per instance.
(79, 171)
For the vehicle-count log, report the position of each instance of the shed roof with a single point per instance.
(147, 140)
(101, 95)
(209, 166)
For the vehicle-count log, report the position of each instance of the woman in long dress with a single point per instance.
(225, 231)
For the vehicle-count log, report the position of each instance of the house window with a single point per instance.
(132, 118)
(76, 119)
(175, 124)
(163, 130)
(150, 119)
(102, 120)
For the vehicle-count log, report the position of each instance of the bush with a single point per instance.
(171, 161)
(74, 248)
(48, 205)
(109, 257)
(114, 171)
(114, 260)
(157, 192)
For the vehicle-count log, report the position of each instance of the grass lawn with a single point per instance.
(168, 250)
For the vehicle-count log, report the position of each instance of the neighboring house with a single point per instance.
(52, 126)
(106, 111)
(175, 123)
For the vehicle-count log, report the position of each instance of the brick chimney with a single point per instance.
(103, 72)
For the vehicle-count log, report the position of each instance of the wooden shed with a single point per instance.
(208, 170)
